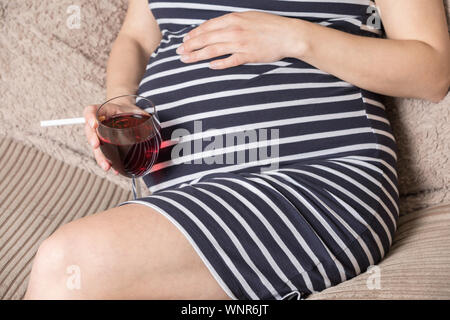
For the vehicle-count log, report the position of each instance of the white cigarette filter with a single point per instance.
(61, 122)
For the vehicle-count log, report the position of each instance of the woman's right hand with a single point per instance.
(91, 135)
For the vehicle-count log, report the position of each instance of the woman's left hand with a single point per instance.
(250, 37)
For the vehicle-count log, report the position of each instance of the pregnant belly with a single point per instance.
(179, 89)
(287, 101)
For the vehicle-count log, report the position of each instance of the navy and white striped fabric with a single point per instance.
(330, 208)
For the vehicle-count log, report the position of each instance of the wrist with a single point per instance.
(298, 38)
(121, 91)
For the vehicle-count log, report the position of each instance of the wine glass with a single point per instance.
(129, 134)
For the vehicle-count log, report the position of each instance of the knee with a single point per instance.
(58, 251)
(51, 255)
(60, 262)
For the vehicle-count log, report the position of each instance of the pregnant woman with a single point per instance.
(303, 77)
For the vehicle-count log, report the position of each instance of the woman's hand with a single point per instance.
(250, 37)
(91, 135)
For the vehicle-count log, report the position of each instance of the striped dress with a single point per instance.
(281, 176)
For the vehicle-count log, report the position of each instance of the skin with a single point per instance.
(122, 252)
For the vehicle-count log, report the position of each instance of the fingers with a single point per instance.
(89, 115)
(90, 125)
(213, 24)
(215, 37)
(232, 61)
(211, 51)
(208, 38)
(102, 161)
(91, 135)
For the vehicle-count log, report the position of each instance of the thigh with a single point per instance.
(132, 251)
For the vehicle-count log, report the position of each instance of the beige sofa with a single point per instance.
(48, 176)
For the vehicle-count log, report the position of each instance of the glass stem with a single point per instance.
(135, 187)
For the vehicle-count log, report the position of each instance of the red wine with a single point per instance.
(133, 150)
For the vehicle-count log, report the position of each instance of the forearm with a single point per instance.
(126, 65)
(402, 68)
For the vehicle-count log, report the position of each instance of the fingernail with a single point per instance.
(93, 142)
(186, 38)
(104, 165)
(180, 49)
(213, 65)
(91, 123)
(184, 58)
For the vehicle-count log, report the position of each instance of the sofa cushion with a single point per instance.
(37, 195)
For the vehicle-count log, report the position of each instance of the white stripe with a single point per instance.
(387, 150)
(164, 31)
(370, 178)
(172, 47)
(173, 36)
(354, 22)
(211, 269)
(196, 82)
(370, 166)
(374, 103)
(196, 66)
(180, 21)
(337, 216)
(236, 92)
(384, 133)
(357, 2)
(228, 261)
(321, 221)
(235, 241)
(255, 145)
(349, 194)
(276, 63)
(172, 72)
(203, 6)
(384, 163)
(266, 106)
(271, 230)
(362, 163)
(161, 61)
(360, 186)
(378, 118)
(263, 162)
(288, 70)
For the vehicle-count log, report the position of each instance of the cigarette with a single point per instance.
(61, 122)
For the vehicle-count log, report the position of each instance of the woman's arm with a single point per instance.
(137, 39)
(413, 62)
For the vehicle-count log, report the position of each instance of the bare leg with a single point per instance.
(128, 252)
